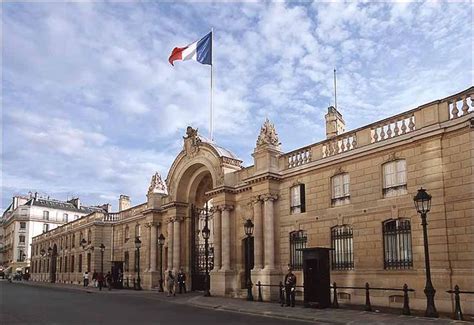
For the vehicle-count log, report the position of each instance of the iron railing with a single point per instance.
(342, 257)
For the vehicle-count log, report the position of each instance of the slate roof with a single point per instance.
(55, 204)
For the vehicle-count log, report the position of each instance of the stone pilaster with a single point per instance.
(269, 232)
(226, 237)
(177, 243)
(153, 244)
(217, 238)
(170, 244)
(258, 233)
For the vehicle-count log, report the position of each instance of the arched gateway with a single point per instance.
(198, 170)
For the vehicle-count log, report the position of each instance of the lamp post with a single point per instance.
(138, 244)
(206, 233)
(43, 254)
(83, 243)
(102, 250)
(161, 242)
(248, 227)
(422, 202)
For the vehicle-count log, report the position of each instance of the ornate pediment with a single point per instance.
(192, 141)
(157, 185)
(268, 135)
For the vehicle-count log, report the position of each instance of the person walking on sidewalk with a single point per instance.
(100, 280)
(94, 278)
(170, 284)
(290, 288)
(181, 281)
(86, 279)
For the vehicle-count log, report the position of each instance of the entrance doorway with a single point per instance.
(198, 249)
(54, 257)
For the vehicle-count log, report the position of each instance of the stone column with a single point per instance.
(153, 243)
(269, 232)
(258, 233)
(170, 244)
(177, 243)
(226, 237)
(217, 238)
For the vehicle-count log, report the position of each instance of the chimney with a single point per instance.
(124, 202)
(76, 202)
(335, 124)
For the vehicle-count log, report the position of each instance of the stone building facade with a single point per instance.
(352, 192)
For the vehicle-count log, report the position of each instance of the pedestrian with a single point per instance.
(108, 279)
(94, 278)
(170, 284)
(290, 287)
(86, 279)
(181, 281)
(100, 280)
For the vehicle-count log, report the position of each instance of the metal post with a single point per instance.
(259, 285)
(102, 262)
(161, 268)
(139, 287)
(368, 307)
(406, 306)
(335, 303)
(429, 289)
(457, 310)
(249, 279)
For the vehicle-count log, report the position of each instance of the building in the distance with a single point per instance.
(29, 216)
(351, 192)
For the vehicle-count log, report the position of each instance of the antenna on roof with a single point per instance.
(335, 90)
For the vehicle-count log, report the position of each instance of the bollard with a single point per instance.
(134, 285)
(259, 285)
(457, 298)
(282, 296)
(368, 307)
(335, 303)
(406, 306)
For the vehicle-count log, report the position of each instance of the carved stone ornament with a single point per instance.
(157, 185)
(268, 135)
(191, 142)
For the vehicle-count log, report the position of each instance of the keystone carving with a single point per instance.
(192, 141)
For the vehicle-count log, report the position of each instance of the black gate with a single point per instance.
(198, 250)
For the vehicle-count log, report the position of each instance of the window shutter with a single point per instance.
(302, 198)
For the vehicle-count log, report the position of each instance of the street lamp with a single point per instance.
(42, 252)
(161, 242)
(206, 233)
(138, 244)
(102, 250)
(423, 204)
(50, 251)
(83, 243)
(248, 227)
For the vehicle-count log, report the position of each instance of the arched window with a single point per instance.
(126, 235)
(298, 240)
(340, 189)
(137, 230)
(342, 244)
(394, 178)
(89, 236)
(73, 240)
(397, 244)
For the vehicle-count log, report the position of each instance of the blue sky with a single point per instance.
(92, 108)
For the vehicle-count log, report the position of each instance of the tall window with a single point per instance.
(22, 225)
(60, 264)
(342, 244)
(126, 262)
(22, 239)
(137, 230)
(45, 215)
(297, 199)
(89, 236)
(80, 263)
(298, 240)
(45, 227)
(394, 178)
(65, 217)
(88, 262)
(397, 244)
(72, 263)
(126, 235)
(65, 264)
(73, 240)
(340, 189)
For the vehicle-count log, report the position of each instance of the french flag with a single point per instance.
(200, 51)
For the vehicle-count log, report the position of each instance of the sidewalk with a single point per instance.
(326, 316)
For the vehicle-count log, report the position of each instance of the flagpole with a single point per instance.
(212, 68)
(335, 90)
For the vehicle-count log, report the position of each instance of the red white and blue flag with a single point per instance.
(200, 51)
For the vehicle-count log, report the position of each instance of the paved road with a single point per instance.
(22, 304)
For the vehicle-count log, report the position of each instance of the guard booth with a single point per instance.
(317, 282)
(117, 274)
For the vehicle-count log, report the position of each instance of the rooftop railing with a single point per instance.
(447, 109)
